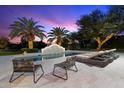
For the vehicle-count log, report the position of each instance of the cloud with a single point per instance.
(48, 16)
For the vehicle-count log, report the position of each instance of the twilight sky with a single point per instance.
(48, 16)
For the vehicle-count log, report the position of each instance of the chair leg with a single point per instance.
(14, 78)
(42, 69)
(34, 78)
(66, 74)
(75, 70)
(54, 69)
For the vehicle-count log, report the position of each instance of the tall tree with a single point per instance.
(116, 16)
(26, 28)
(73, 37)
(57, 33)
(96, 26)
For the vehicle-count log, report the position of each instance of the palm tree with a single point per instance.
(26, 28)
(73, 40)
(57, 33)
(73, 36)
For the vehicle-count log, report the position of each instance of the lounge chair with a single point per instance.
(66, 65)
(98, 62)
(109, 54)
(99, 59)
(21, 65)
(112, 53)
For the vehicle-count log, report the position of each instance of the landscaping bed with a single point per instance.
(9, 52)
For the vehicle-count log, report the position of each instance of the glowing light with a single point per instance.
(37, 38)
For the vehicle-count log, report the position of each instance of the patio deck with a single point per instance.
(93, 77)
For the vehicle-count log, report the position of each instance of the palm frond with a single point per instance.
(26, 27)
(50, 39)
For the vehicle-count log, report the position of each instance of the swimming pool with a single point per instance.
(47, 56)
(57, 55)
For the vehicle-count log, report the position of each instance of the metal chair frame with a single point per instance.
(65, 66)
(26, 68)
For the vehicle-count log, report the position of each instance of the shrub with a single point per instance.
(3, 42)
(29, 50)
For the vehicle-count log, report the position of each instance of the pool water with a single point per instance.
(71, 53)
(57, 55)
(47, 56)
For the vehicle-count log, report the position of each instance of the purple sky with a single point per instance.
(48, 16)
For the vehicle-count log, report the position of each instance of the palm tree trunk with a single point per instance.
(30, 44)
(59, 41)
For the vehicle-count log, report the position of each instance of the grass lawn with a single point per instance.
(5, 53)
(15, 51)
